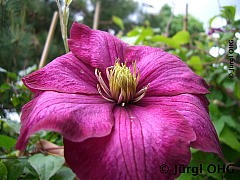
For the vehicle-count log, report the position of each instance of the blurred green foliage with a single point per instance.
(161, 20)
(24, 26)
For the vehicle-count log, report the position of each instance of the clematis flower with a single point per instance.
(123, 110)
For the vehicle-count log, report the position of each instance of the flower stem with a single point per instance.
(64, 21)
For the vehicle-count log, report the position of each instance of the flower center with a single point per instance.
(122, 84)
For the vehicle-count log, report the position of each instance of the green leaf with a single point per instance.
(145, 32)
(133, 32)
(230, 122)
(46, 166)
(185, 176)
(15, 101)
(218, 124)
(237, 90)
(227, 36)
(9, 74)
(211, 20)
(12, 75)
(3, 171)
(4, 87)
(229, 84)
(165, 40)
(15, 168)
(222, 77)
(228, 12)
(200, 45)
(7, 142)
(118, 21)
(64, 174)
(196, 63)
(182, 37)
(229, 137)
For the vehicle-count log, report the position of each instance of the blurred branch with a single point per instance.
(48, 41)
(96, 15)
(168, 25)
(185, 22)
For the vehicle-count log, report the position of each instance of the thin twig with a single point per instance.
(48, 41)
(235, 168)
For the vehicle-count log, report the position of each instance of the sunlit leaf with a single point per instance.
(118, 21)
(144, 34)
(165, 40)
(196, 63)
(182, 37)
(133, 32)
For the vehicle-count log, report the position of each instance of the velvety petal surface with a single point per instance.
(77, 117)
(166, 73)
(194, 108)
(143, 138)
(64, 74)
(98, 48)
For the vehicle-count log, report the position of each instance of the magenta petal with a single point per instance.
(166, 73)
(64, 74)
(141, 141)
(98, 48)
(194, 109)
(76, 117)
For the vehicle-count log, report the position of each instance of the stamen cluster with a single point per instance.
(122, 84)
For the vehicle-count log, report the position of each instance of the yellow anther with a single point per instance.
(122, 84)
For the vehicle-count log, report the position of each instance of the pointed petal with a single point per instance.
(142, 140)
(166, 73)
(76, 117)
(194, 108)
(64, 74)
(97, 48)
